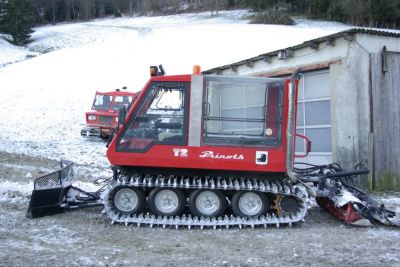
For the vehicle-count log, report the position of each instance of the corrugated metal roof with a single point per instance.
(345, 34)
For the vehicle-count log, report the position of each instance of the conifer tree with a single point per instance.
(3, 4)
(16, 19)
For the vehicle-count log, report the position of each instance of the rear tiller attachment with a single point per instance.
(53, 193)
(338, 195)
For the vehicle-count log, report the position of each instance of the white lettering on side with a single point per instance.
(180, 152)
(212, 155)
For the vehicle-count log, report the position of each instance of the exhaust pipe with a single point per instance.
(291, 133)
(290, 129)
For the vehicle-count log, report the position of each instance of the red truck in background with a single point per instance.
(103, 118)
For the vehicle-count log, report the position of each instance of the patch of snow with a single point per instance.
(13, 192)
(89, 187)
(308, 23)
(391, 200)
(85, 261)
(24, 245)
(10, 53)
(24, 167)
(40, 239)
(55, 234)
(9, 186)
(17, 192)
(380, 232)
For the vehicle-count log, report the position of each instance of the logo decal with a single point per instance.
(261, 157)
(180, 152)
(211, 154)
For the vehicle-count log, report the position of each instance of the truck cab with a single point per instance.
(102, 119)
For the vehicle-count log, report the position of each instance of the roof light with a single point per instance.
(153, 70)
(157, 71)
(196, 70)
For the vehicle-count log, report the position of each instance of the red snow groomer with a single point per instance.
(103, 118)
(210, 151)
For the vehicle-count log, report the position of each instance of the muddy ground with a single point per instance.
(86, 237)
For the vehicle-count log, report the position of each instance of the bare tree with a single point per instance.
(100, 8)
(131, 7)
(214, 7)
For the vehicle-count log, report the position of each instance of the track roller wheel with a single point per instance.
(128, 200)
(167, 202)
(207, 203)
(285, 204)
(249, 204)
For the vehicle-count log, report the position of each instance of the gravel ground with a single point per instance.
(86, 237)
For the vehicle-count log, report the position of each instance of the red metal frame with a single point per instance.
(221, 158)
(308, 146)
(346, 214)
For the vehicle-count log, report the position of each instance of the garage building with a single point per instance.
(349, 99)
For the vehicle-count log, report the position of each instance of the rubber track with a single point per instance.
(236, 184)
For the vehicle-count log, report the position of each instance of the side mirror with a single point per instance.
(122, 115)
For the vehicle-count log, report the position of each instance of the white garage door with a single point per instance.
(314, 117)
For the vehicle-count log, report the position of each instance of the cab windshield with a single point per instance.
(102, 102)
(108, 102)
(121, 101)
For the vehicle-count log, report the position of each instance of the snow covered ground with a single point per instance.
(10, 54)
(86, 238)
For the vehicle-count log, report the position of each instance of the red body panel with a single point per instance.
(98, 113)
(105, 128)
(169, 156)
(235, 158)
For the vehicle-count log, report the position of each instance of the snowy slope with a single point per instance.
(44, 98)
(10, 53)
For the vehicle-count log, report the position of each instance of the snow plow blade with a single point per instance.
(54, 193)
(91, 132)
(49, 192)
(97, 131)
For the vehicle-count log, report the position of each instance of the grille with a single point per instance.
(106, 119)
(58, 179)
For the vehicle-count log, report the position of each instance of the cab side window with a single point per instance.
(243, 112)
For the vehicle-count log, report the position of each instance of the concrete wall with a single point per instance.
(350, 107)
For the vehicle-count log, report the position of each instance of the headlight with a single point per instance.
(92, 117)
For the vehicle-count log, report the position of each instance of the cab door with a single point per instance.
(159, 119)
